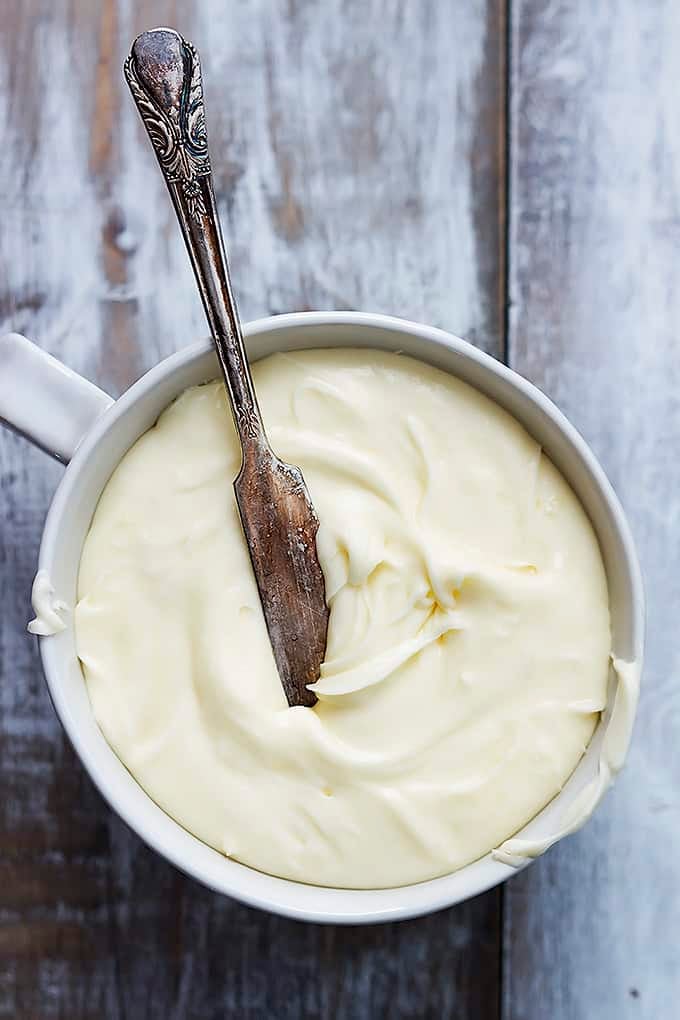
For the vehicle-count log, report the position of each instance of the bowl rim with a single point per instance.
(277, 895)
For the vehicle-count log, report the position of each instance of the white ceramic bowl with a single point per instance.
(75, 421)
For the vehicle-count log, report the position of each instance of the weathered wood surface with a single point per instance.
(592, 929)
(359, 164)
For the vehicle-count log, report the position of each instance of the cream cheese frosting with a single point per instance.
(468, 645)
(616, 738)
(50, 612)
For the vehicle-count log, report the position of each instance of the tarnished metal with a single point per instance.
(278, 518)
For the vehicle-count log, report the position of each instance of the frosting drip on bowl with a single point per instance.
(50, 612)
(468, 645)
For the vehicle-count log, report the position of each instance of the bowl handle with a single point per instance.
(44, 400)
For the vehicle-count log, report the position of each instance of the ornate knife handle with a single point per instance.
(164, 75)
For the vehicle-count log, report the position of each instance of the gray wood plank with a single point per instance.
(358, 164)
(591, 930)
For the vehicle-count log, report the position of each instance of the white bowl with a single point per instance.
(54, 408)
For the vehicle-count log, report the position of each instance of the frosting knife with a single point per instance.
(279, 521)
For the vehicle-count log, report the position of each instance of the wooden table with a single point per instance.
(506, 169)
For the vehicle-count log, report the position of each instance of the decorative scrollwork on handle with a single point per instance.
(164, 75)
(250, 423)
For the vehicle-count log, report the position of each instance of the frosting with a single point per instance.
(49, 610)
(468, 647)
(618, 728)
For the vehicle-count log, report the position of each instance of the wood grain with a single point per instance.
(591, 930)
(358, 165)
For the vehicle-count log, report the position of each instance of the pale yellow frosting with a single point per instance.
(468, 645)
(50, 612)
